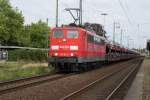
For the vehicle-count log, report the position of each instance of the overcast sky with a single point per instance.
(129, 13)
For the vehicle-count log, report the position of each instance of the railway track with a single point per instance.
(68, 86)
(107, 87)
(6, 87)
(121, 89)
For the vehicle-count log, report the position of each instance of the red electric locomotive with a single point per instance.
(73, 48)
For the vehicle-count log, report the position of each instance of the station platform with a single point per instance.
(140, 88)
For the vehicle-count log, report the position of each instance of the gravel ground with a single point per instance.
(57, 89)
(146, 83)
(102, 89)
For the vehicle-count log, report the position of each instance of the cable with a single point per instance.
(127, 16)
(124, 10)
(126, 5)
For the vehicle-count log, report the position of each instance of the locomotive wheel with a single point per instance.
(74, 67)
(82, 67)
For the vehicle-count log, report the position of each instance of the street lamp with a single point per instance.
(104, 14)
(116, 25)
(132, 42)
(121, 35)
(129, 42)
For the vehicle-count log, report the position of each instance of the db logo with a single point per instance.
(64, 47)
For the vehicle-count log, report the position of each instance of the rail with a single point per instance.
(9, 86)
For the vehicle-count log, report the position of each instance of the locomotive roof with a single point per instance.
(83, 29)
(64, 28)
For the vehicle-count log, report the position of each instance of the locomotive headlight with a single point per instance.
(74, 48)
(56, 54)
(55, 47)
(72, 54)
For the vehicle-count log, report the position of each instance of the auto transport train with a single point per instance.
(75, 48)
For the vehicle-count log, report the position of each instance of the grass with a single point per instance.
(15, 70)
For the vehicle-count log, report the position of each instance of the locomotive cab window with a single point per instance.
(58, 34)
(72, 34)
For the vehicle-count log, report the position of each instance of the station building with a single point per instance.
(148, 46)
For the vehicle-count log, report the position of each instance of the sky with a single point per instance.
(133, 16)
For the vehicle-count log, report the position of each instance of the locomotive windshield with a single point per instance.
(72, 34)
(58, 34)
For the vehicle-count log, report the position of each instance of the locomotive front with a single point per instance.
(65, 47)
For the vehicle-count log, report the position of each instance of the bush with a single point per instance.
(27, 55)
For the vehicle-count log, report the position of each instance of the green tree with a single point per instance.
(11, 24)
(13, 31)
(39, 34)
